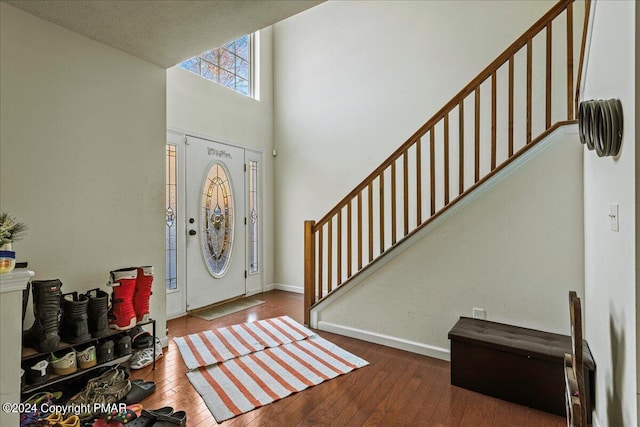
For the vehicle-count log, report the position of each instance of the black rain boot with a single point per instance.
(43, 334)
(98, 310)
(75, 321)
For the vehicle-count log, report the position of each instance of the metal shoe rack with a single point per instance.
(32, 354)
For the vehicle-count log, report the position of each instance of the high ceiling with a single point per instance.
(163, 32)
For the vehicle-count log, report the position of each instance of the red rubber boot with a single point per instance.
(143, 293)
(122, 315)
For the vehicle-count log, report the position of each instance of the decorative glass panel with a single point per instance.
(228, 65)
(253, 217)
(170, 213)
(217, 220)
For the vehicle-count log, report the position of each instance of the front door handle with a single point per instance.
(192, 232)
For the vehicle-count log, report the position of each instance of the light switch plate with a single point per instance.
(614, 221)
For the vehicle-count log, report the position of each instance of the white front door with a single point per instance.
(215, 214)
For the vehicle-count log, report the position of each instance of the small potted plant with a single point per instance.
(10, 231)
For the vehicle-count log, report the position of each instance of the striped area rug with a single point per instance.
(209, 347)
(283, 358)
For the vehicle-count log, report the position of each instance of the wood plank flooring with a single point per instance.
(398, 388)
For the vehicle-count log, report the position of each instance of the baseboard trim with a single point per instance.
(283, 287)
(386, 340)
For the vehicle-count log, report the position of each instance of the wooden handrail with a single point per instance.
(319, 276)
(468, 89)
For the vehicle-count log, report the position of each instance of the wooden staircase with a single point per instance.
(486, 126)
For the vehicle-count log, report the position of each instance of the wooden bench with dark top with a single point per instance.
(520, 365)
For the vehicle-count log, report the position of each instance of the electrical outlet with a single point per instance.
(479, 313)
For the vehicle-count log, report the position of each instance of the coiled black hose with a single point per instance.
(600, 125)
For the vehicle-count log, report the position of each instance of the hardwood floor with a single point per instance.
(398, 388)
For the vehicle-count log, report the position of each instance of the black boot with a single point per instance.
(43, 334)
(75, 321)
(98, 311)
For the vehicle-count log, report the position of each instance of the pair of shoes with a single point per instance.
(64, 365)
(97, 386)
(107, 351)
(163, 417)
(69, 363)
(144, 357)
(130, 297)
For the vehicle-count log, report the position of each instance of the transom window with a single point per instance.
(228, 65)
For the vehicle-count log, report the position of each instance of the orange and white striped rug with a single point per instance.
(245, 382)
(209, 347)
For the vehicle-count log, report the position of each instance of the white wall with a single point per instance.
(82, 146)
(353, 80)
(514, 253)
(610, 271)
(198, 106)
(637, 94)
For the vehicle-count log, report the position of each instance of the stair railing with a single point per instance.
(419, 182)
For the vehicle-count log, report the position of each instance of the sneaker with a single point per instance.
(144, 357)
(87, 358)
(64, 365)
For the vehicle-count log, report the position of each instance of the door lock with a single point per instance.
(192, 232)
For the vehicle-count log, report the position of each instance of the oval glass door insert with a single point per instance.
(217, 220)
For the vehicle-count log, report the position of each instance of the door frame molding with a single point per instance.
(177, 136)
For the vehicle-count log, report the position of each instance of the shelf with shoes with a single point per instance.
(30, 355)
(75, 333)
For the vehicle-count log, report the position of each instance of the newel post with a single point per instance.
(309, 269)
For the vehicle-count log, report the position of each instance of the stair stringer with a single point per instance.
(563, 134)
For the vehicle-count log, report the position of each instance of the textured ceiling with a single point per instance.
(163, 32)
